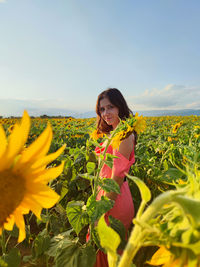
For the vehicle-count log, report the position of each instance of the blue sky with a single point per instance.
(61, 54)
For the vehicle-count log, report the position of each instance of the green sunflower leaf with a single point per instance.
(77, 215)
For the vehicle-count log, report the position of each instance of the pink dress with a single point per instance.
(123, 208)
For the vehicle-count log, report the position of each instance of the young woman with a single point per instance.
(111, 106)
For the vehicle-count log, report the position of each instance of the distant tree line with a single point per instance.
(42, 117)
(54, 117)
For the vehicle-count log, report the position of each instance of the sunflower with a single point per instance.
(163, 257)
(133, 123)
(96, 135)
(116, 140)
(176, 127)
(10, 128)
(24, 176)
(140, 124)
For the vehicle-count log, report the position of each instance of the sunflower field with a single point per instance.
(49, 175)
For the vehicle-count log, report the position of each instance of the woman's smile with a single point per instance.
(109, 112)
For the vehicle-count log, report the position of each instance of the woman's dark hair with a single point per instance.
(116, 98)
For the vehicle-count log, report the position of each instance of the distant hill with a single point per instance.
(181, 112)
(14, 107)
(152, 113)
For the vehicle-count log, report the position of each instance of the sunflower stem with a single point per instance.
(136, 238)
(6, 243)
(102, 161)
(47, 223)
(3, 242)
(47, 261)
(95, 190)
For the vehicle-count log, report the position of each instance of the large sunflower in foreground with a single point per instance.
(24, 176)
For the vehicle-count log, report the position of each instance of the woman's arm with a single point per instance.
(125, 148)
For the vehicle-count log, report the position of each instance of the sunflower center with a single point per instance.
(12, 188)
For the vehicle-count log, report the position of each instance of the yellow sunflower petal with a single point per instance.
(13, 148)
(23, 209)
(25, 127)
(161, 256)
(19, 219)
(46, 160)
(115, 143)
(94, 135)
(14, 144)
(33, 206)
(49, 174)
(10, 223)
(46, 198)
(3, 141)
(18, 137)
(38, 148)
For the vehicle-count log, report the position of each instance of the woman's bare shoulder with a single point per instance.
(126, 146)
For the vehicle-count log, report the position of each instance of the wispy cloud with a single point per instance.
(3, 1)
(194, 105)
(170, 97)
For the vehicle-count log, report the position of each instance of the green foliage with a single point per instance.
(41, 244)
(163, 159)
(172, 174)
(96, 209)
(109, 160)
(12, 259)
(77, 215)
(109, 240)
(73, 255)
(68, 252)
(109, 185)
(90, 166)
(119, 228)
(59, 241)
(191, 208)
(144, 190)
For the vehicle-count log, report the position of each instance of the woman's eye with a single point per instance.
(101, 109)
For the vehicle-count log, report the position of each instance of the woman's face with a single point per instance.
(109, 112)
